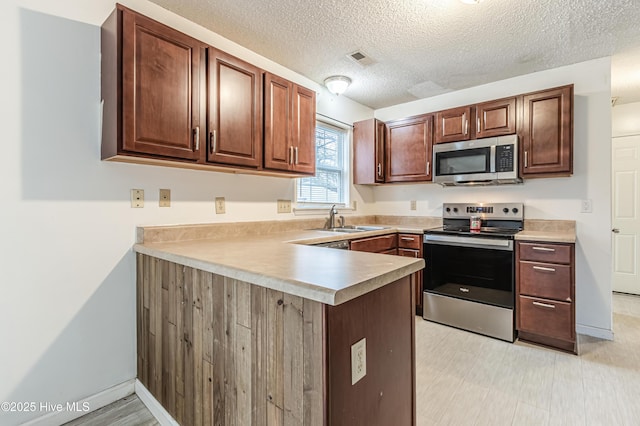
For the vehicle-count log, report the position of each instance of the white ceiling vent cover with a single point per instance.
(361, 58)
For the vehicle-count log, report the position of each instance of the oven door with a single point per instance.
(470, 268)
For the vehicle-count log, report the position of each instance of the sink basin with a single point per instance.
(353, 228)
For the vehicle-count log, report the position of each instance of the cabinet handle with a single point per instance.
(543, 248)
(213, 141)
(544, 305)
(526, 160)
(478, 124)
(407, 239)
(615, 230)
(466, 123)
(379, 169)
(290, 155)
(295, 150)
(542, 268)
(464, 290)
(428, 167)
(196, 133)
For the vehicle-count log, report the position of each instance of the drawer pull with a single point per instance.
(543, 248)
(544, 305)
(407, 239)
(542, 268)
(464, 290)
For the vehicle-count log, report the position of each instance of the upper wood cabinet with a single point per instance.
(495, 118)
(368, 151)
(546, 134)
(234, 111)
(289, 126)
(152, 76)
(409, 149)
(453, 125)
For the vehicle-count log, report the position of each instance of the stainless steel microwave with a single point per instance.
(488, 161)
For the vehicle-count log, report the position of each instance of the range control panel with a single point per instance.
(506, 211)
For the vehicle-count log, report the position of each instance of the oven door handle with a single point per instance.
(486, 243)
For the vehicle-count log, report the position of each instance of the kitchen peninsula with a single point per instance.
(258, 328)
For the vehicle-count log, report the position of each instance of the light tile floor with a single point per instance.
(466, 379)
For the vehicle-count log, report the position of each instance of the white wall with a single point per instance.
(68, 291)
(557, 198)
(625, 119)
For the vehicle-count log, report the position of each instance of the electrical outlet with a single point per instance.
(137, 198)
(586, 206)
(413, 204)
(220, 209)
(284, 206)
(165, 198)
(358, 360)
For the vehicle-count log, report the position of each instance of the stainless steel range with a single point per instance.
(469, 278)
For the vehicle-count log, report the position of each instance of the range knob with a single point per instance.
(455, 210)
(515, 210)
(505, 210)
(448, 209)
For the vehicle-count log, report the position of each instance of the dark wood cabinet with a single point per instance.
(495, 118)
(289, 139)
(409, 149)
(234, 111)
(368, 152)
(546, 133)
(387, 244)
(152, 77)
(545, 294)
(453, 125)
(410, 245)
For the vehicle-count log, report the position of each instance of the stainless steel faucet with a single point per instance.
(332, 217)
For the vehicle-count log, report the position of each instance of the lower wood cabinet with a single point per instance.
(216, 350)
(545, 288)
(410, 245)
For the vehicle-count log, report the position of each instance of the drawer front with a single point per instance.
(375, 244)
(546, 317)
(545, 280)
(408, 252)
(548, 253)
(410, 241)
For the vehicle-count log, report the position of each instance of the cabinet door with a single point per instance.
(496, 118)
(408, 150)
(416, 276)
(304, 130)
(368, 151)
(235, 111)
(277, 123)
(453, 125)
(547, 133)
(163, 73)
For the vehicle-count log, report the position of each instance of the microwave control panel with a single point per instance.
(504, 158)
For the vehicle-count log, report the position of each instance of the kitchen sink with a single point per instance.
(353, 228)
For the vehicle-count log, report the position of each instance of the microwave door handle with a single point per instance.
(493, 159)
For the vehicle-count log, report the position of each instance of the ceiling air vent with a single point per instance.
(360, 58)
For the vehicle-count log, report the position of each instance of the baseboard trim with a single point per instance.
(94, 402)
(162, 416)
(600, 333)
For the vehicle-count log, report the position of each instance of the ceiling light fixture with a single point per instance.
(471, 1)
(337, 84)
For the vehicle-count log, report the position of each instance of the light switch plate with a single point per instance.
(165, 198)
(413, 204)
(284, 206)
(137, 198)
(220, 207)
(358, 360)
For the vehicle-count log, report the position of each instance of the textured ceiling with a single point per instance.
(423, 48)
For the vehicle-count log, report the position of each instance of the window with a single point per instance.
(330, 185)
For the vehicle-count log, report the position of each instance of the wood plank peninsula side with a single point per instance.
(216, 349)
